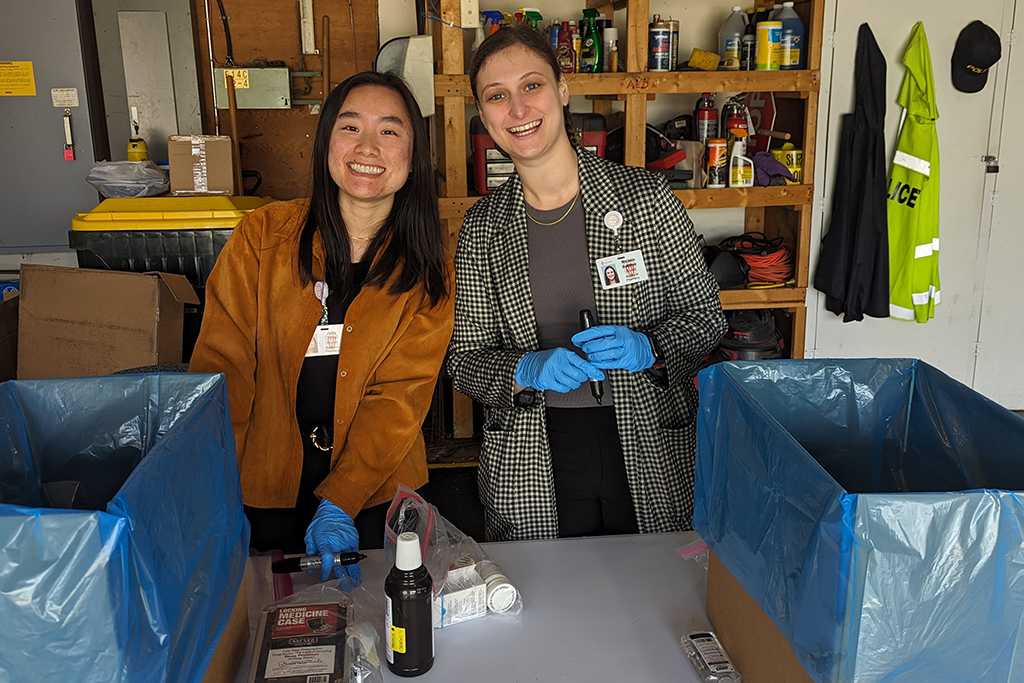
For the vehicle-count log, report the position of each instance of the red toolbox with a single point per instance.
(491, 167)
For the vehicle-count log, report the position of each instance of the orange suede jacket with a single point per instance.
(256, 328)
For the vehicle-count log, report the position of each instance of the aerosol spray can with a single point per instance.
(409, 610)
(577, 44)
(748, 52)
(705, 117)
(673, 27)
(659, 48)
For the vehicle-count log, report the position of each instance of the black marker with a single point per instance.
(300, 564)
(596, 386)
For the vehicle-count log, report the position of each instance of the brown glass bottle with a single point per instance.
(408, 611)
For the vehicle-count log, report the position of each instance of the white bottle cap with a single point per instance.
(737, 8)
(407, 553)
(610, 34)
(787, 4)
(501, 595)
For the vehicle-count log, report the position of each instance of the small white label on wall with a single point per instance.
(64, 97)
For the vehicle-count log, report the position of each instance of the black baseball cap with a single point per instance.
(977, 49)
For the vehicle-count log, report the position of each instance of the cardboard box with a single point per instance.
(227, 656)
(758, 649)
(78, 322)
(9, 338)
(146, 585)
(870, 508)
(201, 164)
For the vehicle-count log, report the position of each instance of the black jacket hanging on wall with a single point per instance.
(853, 270)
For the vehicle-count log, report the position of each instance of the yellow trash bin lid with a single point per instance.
(168, 213)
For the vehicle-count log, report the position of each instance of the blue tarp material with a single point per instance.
(868, 507)
(140, 592)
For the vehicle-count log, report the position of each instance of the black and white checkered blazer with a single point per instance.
(495, 326)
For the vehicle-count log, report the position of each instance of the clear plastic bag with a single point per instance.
(128, 179)
(142, 589)
(468, 584)
(319, 633)
(696, 551)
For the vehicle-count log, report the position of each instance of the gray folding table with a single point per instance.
(600, 609)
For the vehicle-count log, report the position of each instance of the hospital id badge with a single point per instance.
(621, 269)
(326, 341)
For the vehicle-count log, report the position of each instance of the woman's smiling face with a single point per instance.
(371, 144)
(521, 103)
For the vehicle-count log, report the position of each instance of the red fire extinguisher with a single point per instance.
(705, 118)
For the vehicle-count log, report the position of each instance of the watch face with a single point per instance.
(525, 398)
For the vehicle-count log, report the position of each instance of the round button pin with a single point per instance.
(613, 220)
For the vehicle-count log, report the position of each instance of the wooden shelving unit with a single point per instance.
(776, 211)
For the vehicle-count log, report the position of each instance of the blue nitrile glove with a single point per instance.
(615, 346)
(556, 369)
(332, 531)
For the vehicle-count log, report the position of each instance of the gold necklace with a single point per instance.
(360, 239)
(560, 219)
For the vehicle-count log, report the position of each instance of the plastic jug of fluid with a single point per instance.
(741, 168)
(793, 53)
(730, 39)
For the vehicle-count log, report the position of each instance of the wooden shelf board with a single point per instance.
(782, 195)
(692, 81)
(784, 297)
(598, 4)
(652, 83)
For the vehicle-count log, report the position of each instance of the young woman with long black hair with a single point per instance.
(330, 318)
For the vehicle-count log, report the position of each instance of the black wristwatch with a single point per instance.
(659, 369)
(527, 398)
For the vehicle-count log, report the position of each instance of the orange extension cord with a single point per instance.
(772, 269)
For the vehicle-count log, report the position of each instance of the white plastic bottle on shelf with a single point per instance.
(610, 55)
(774, 14)
(730, 39)
(793, 53)
(741, 167)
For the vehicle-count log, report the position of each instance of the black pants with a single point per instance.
(284, 529)
(591, 490)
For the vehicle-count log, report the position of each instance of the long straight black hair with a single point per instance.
(411, 235)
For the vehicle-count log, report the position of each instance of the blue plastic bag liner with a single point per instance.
(869, 508)
(141, 589)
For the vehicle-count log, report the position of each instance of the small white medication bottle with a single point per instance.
(709, 658)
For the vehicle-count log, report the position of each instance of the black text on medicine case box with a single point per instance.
(301, 644)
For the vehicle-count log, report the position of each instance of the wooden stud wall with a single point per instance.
(277, 142)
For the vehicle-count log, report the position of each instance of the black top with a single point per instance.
(314, 403)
